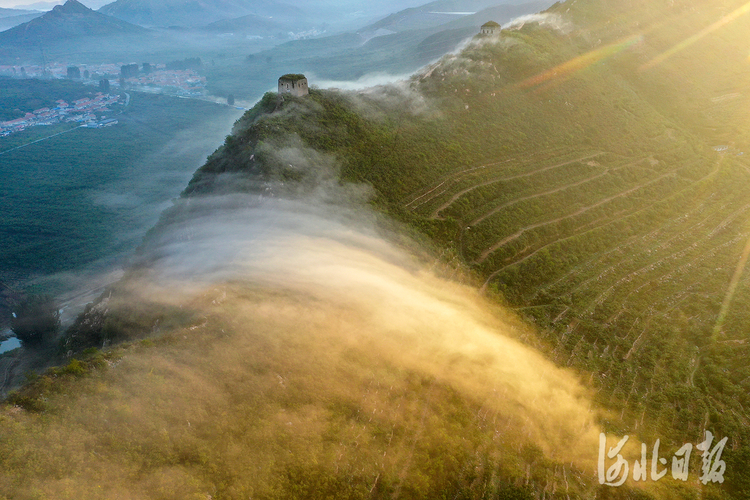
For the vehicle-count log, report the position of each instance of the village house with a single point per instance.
(83, 111)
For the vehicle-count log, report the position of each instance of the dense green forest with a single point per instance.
(21, 96)
(57, 215)
(588, 172)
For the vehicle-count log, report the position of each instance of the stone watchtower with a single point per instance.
(293, 84)
(490, 28)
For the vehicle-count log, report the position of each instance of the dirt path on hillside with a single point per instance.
(452, 177)
(599, 299)
(580, 211)
(436, 213)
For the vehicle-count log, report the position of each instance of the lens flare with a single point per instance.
(730, 291)
(567, 69)
(691, 40)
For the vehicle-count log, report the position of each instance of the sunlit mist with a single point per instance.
(563, 71)
(698, 36)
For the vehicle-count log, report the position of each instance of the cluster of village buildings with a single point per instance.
(82, 111)
(181, 82)
(60, 70)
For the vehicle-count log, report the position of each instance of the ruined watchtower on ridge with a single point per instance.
(293, 84)
(490, 28)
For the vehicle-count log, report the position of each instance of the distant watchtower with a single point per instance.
(489, 28)
(293, 84)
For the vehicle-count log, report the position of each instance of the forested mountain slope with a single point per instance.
(591, 168)
(586, 169)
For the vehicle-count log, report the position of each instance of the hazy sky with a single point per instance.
(45, 5)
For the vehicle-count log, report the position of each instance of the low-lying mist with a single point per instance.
(133, 200)
(315, 357)
(314, 342)
(353, 288)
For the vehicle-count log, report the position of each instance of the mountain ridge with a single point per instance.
(600, 123)
(70, 20)
(195, 13)
(16, 12)
(585, 169)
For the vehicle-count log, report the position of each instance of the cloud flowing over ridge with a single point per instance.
(315, 346)
(322, 248)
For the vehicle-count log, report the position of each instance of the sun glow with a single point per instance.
(731, 290)
(691, 40)
(567, 69)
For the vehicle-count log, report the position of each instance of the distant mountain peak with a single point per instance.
(63, 22)
(72, 7)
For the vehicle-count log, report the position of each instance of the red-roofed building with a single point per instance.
(14, 123)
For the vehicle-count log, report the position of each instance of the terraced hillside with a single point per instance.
(587, 170)
(591, 170)
(617, 257)
(627, 247)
